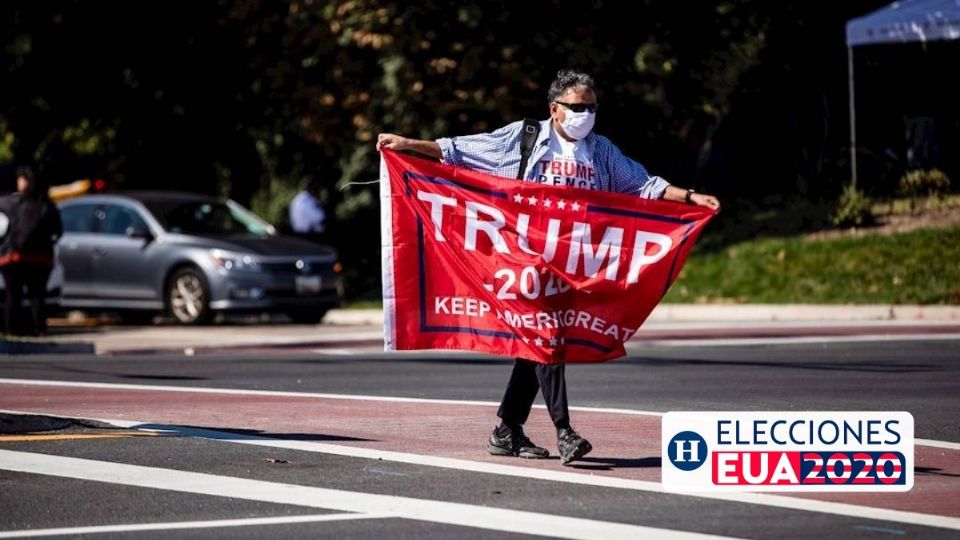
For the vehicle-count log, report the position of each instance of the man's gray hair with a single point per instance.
(567, 79)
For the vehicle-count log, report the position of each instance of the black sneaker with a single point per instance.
(515, 444)
(572, 446)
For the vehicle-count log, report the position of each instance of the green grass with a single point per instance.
(920, 267)
(905, 205)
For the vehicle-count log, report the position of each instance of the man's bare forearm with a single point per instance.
(396, 142)
(427, 148)
(673, 193)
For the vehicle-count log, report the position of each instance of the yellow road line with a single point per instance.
(74, 436)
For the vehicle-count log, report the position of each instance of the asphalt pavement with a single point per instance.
(300, 442)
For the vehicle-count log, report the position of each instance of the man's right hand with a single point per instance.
(395, 142)
(392, 142)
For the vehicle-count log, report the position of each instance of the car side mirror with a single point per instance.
(138, 233)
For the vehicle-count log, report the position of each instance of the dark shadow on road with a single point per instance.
(163, 377)
(864, 367)
(221, 433)
(609, 464)
(934, 471)
(858, 367)
(484, 361)
(55, 367)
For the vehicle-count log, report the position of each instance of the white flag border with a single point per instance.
(386, 260)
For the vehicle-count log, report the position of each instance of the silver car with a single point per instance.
(191, 256)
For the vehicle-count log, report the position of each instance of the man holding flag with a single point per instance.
(565, 153)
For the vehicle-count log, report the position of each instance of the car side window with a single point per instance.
(118, 219)
(78, 218)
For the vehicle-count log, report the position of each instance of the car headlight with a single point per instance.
(234, 262)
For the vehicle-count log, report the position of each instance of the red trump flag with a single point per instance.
(494, 265)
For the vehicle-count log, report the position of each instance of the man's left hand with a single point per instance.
(709, 201)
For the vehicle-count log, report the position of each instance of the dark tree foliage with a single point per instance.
(252, 99)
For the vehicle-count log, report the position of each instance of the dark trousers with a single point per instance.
(16, 278)
(526, 379)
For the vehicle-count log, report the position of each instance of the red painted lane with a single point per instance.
(626, 446)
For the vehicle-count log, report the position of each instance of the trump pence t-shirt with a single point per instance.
(567, 163)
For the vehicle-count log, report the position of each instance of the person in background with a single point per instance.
(26, 251)
(306, 213)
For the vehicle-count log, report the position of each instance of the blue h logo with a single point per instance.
(687, 450)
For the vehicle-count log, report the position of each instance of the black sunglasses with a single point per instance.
(579, 107)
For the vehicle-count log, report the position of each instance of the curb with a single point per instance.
(732, 312)
(45, 347)
(354, 317)
(208, 349)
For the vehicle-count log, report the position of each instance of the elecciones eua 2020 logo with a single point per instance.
(787, 451)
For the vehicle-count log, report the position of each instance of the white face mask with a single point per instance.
(578, 125)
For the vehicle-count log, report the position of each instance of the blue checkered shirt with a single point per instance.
(498, 153)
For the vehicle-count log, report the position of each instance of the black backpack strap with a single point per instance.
(531, 128)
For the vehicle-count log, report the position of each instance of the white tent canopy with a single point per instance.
(900, 22)
(908, 20)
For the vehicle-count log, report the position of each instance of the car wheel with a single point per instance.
(307, 317)
(188, 297)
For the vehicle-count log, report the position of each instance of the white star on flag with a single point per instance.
(518, 198)
(538, 342)
(532, 201)
(562, 204)
(547, 202)
(575, 206)
(526, 339)
(553, 342)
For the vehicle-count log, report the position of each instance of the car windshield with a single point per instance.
(208, 217)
